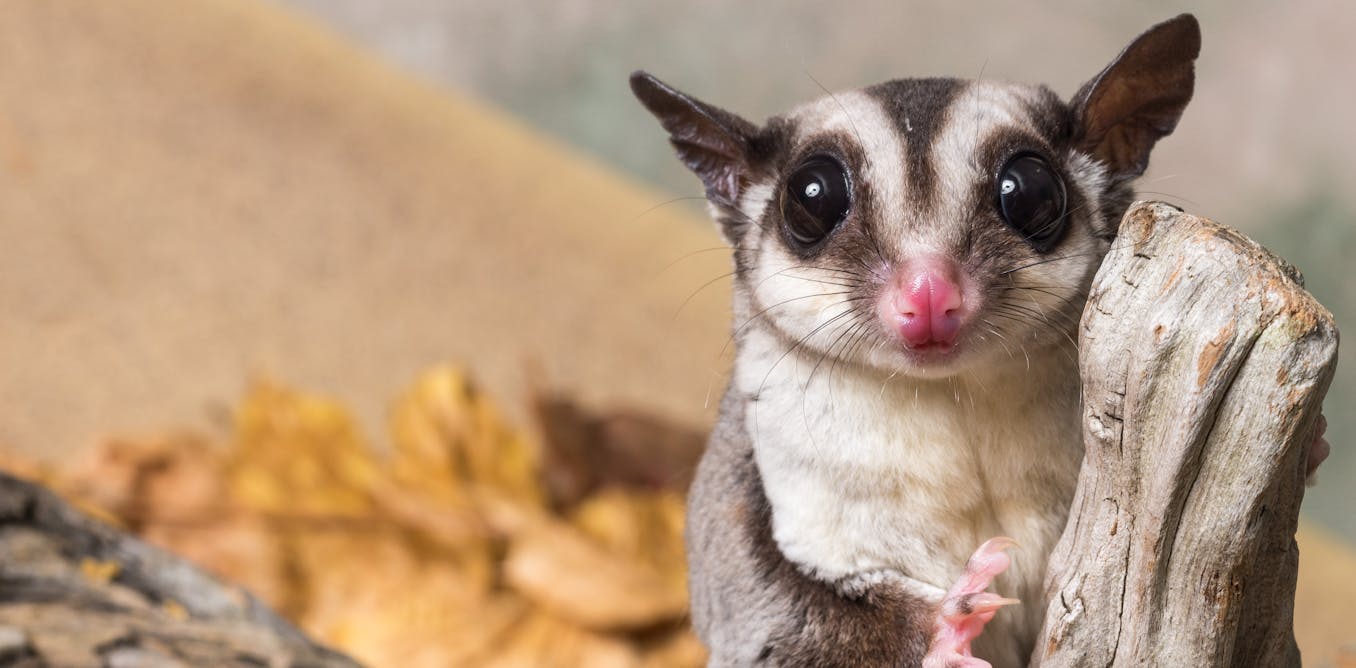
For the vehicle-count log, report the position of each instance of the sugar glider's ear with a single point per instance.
(1137, 99)
(712, 142)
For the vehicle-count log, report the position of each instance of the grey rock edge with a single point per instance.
(53, 614)
(1204, 365)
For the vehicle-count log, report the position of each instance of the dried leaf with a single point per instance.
(297, 454)
(560, 568)
(445, 553)
(354, 579)
(642, 527)
(450, 440)
(680, 649)
(425, 633)
(590, 450)
(140, 482)
(543, 641)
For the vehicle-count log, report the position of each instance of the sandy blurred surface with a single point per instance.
(191, 193)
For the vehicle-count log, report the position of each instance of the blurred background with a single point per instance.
(340, 194)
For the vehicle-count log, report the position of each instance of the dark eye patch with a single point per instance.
(1042, 199)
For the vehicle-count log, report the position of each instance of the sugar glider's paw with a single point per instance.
(1318, 451)
(967, 608)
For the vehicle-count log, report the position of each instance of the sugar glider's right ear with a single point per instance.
(712, 142)
(1137, 99)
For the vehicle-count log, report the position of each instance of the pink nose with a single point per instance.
(928, 302)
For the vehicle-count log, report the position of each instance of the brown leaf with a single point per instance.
(297, 454)
(560, 568)
(643, 527)
(163, 479)
(543, 641)
(589, 450)
(450, 441)
(445, 553)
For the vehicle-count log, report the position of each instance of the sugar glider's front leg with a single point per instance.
(959, 614)
(967, 607)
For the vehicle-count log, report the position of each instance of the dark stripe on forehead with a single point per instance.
(918, 108)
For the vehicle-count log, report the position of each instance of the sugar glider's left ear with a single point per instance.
(1137, 99)
(712, 142)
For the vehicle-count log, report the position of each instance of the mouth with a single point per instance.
(931, 347)
(931, 353)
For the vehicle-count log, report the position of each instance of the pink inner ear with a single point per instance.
(1139, 97)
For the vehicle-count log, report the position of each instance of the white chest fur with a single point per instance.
(867, 473)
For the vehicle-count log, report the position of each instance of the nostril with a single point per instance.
(925, 302)
(946, 297)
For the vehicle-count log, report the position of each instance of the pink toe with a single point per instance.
(991, 558)
(981, 604)
(1318, 452)
(984, 565)
(1319, 448)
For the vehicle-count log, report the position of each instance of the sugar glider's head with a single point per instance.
(924, 226)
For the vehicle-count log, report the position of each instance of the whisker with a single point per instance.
(663, 204)
(797, 346)
(1002, 340)
(855, 324)
(775, 274)
(809, 380)
(1163, 194)
(688, 255)
(1057, 258)
(887, 382)
(698, 291)
(760, 314)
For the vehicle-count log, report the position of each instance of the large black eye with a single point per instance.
(818, 197)
(1031, 198)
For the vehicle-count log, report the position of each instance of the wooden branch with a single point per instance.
(76, 592)
(1204, 365)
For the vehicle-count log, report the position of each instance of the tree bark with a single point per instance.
(1204, 364)
(76, 592)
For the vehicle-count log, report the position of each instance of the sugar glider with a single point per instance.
(911, 261)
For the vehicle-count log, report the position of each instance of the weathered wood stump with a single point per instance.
(1204, 366)
(76, 592)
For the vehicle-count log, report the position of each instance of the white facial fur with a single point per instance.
(872, 464)
(808, 301)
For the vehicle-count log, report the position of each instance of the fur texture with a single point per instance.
(849, 479)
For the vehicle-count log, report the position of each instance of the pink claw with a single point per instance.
(967, 608)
